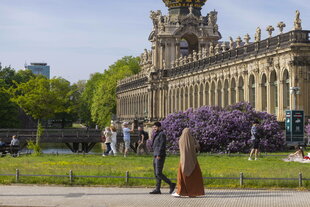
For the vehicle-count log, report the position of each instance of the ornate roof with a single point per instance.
(184, 3)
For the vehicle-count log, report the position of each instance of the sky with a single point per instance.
(80, 37)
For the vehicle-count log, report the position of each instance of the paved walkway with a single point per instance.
(35, 196)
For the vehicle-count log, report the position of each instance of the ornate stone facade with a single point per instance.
(189, 67)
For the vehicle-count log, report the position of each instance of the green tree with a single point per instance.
(103, 104)
(41, 98)
(10, 111)
(86, 100)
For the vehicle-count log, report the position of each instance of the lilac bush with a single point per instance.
(224, 130)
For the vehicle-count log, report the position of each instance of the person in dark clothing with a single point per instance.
(143, 137)
(255, 140)
(159, 148)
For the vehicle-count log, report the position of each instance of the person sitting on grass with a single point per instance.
(298, 155)
(2, 144)
(14, 145)
(255, 140)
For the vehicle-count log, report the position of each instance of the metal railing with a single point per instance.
(127, 177)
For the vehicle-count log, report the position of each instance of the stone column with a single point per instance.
(269, 96)
(150, 104)
(258, 97)
(177, 48)
(281, 113)
(161, 55)
(223, 95)
(246, 87)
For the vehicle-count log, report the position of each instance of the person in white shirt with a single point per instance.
(114, 140)
(126, 132)
(108, 139)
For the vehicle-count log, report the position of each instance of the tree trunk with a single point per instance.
(39, 132)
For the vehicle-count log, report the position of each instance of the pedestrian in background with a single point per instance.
(108, 139)
(143, 137)
(255, 140)
(114, 140)
(126, 133)
(189, 180)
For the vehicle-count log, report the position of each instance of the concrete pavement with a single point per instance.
(47, 196)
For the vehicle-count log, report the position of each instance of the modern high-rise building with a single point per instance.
(39, 69)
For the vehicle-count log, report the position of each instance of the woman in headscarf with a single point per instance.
(189, 181)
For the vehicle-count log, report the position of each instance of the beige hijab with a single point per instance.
(188, 157)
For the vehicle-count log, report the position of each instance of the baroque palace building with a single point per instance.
(189, 67)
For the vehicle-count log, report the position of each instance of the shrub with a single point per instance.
(224, 130)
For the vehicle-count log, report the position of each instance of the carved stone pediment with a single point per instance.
(187, 29)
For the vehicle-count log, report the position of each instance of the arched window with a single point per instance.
(186, 99)
(207, 95)
(196, 97)
(213, 94)
(188, 44)
(233, 91)
(191, 97)
(201, 95)
(286, 90)
(226, 93)
(241, 89)
(219, 93)
(264, 92)
(252, 93)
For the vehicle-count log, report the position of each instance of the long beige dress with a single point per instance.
(189, 181)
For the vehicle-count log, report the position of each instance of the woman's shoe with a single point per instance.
(175, 194)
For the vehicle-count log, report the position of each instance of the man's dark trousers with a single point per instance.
(158, 165)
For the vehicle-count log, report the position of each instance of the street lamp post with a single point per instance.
(295, 91)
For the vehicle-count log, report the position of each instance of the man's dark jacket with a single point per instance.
(159, 144)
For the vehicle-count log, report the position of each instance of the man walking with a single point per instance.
(159, 148)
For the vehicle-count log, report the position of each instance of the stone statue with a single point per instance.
(231, 43)
(217, 49)
(223, 46)
(270, 29)
(258, 34)
(204, 52)
(141, 59)
(215, 28)
(155, 17)
(211, 49)
(212, 18)
(145, 56)
(247, 39)
(181, 61)
(199, 55)
(150, 56)
(176, 62)
(281, 26)
(297, 22)
(194, 56)
(191, 9)
(190, 58)
(238, 41)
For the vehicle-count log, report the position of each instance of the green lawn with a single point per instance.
(212, 166)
